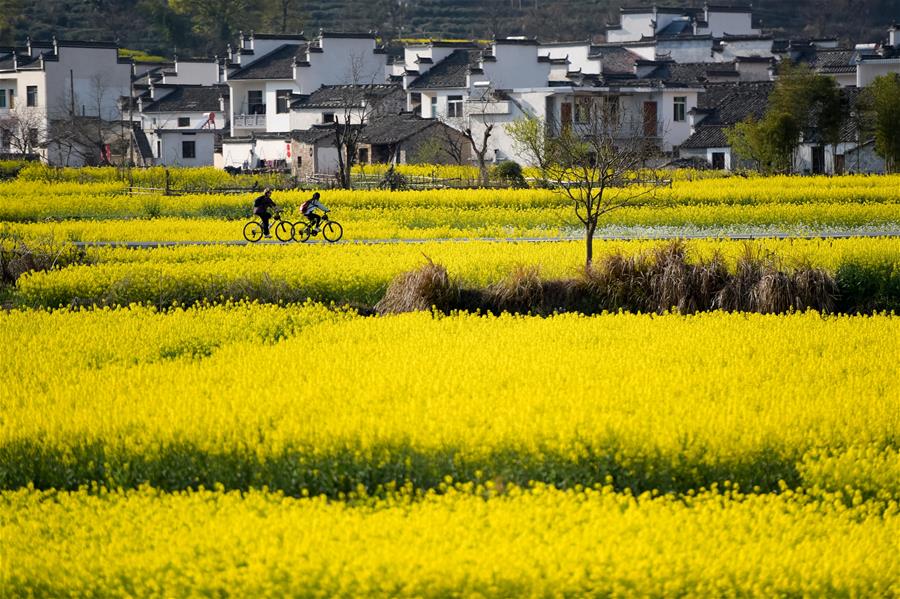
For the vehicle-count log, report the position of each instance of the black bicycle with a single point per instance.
(331, 230)
(284, 230)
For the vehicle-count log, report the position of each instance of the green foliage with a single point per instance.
(9, 169)
(885, 100)
(511, 172)
(802, 101)
(140, 56)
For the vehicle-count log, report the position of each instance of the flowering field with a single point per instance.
(207, 421)
(100, 211)
(361, 273)
(425, 480)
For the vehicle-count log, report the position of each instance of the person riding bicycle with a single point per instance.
(308, 209)
(261, 207)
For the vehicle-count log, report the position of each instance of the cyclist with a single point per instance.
(261, 207)
(308, 209)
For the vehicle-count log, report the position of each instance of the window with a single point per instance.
(363, 156)
(188, 149)
(31, 95)
(5, 139)
(718, 160)
(184, 121)
(328, 117)
(32, 138)
(282, 101)
(583, 108)
(2, 98)
(158, 149)
(255, 103)
(680, 108)
(434, 107)
(454, 106)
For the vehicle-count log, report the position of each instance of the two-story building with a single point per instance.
(268, 72)
(50, 92)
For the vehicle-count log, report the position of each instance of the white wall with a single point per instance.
(674, 133)
(578, 56)
(235, 153)
(516, 66)
(733, 23)
(94, 72)
(868, 70)
(693, 50)
(194, 73)
(169, 120)
(634, 26)
(171, 148)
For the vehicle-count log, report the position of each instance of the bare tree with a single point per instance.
(479, 134)
(82, 131)
(25, 130)
(598, 163)
(443, 146)
(359, 102)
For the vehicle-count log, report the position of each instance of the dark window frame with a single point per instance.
(679, 109)
(256, 107)
(184, 121)
(31, 96)
(282, 101)
(455, 105)
(185, 144)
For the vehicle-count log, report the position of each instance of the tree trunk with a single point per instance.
(589, 244)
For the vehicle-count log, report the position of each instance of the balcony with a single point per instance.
(249, 121)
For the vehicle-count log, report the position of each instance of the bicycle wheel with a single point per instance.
(253, 231)
(332, 231)
(301, 232)
(284, 230)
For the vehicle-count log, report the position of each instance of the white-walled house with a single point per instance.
(274, 68)
(44, 82)
(182, 124)
(268, 72)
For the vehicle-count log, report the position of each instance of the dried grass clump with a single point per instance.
(520, 291)
(814, 288)
(18, 256)
(618, 282)
(425, 288)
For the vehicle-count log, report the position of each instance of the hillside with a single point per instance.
(205, 26)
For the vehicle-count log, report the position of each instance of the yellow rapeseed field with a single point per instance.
(540, 542)
(306, 398)
(361, 273)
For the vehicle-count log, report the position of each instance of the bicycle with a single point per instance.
(284, 230)
(331, 230)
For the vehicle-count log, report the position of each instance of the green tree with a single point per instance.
(885, 102)
(802, 101)
(218, 21)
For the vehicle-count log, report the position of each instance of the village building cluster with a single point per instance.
(682, 76)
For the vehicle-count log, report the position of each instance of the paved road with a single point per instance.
(736, 237)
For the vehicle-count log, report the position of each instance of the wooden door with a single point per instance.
(566, 115)
(650, 119)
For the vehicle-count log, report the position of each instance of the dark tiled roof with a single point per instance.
(396, 128)
(342, 96)
(615, 60)
(836, 60)
(728, 104)
(692, 73)
(277, 64)
(678, 27)
(312, 135)
(712, 136)
(22, 60)
(449, 72)
(190, 99)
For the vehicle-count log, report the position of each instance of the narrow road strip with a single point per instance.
(731, 237)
